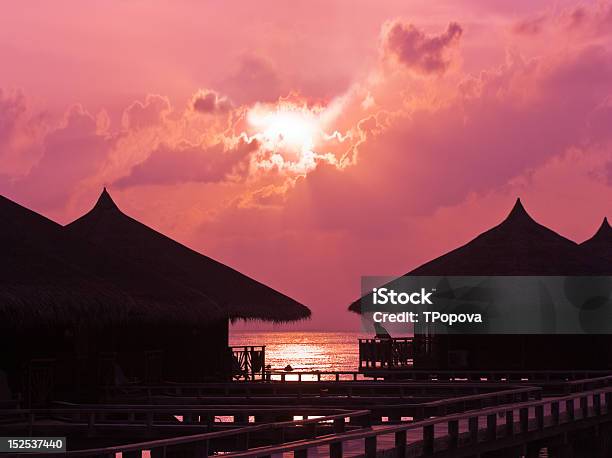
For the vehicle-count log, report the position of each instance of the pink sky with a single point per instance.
(309, 143)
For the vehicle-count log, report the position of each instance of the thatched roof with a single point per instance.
(517, 246)
(601, 243)
(241, 296)
(50, 278)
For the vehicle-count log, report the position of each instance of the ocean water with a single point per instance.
(305, 351)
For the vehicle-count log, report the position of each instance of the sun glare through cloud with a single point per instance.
(293, 136)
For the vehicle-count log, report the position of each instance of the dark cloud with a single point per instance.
(418, 51)
(206, 101)
(186, 162)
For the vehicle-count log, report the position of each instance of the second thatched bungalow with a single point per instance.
(239, 297)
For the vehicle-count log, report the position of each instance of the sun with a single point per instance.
(292, 135)
(285, 127)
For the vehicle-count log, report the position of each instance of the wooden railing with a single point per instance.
(411, 375)
(387, 401)
(150, 417)
(386, 353)
(277, 390)
(531, 418)
(248, 362)
(200, 443)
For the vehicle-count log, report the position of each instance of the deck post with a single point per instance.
(300, 453)
(473, 429)
(524, 419)
(569, 408)
(200, 449)
(554, 412)
(509, 422)
(311, 430)
(242, 441)
(279, 435)
(365, 421)
(492, 426)
(370, 447)
(539, 413)
(428, 440)
(597, 403)
(335, 449)
(584, 406)
(453, 434)
(339, 425)
(400, 444)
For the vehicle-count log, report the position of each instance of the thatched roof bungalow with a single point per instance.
(518, 246)
(80, 314)
(240, 296)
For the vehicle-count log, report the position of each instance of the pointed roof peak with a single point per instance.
(518, 212)
(604, 231)
(105, 201)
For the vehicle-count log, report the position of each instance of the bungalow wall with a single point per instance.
(67, 363)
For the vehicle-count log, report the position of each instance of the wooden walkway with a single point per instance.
(459, 435)
(461, 424)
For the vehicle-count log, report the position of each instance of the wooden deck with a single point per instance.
(466, 418)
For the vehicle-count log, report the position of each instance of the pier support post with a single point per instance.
(335, 450)
(400, 444)
(370, 447)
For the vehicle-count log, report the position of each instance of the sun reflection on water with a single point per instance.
(305, 351)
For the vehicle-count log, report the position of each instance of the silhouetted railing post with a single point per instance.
(453, 434)
(335, 449)
(554, 412)
(509, 422)
(473, 429)
(597, 403)
(428, 440)
(569, 408)
(524, 419)
(584, 406)
(539, 413)
(370, 447)
(492, 426)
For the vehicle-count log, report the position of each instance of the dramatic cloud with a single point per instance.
(254, 80)
(21, 133)
(191, 163)
(418, 51)
(70, 153)
(368, 169)
(141, 115)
